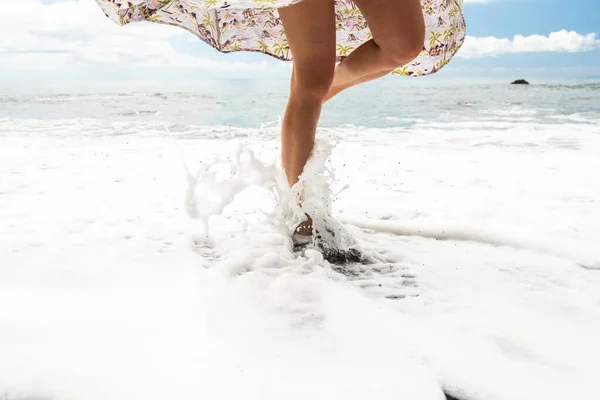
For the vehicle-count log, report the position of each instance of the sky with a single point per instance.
(72, 40)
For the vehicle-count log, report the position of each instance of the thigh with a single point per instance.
(393, 21)
(310, 30)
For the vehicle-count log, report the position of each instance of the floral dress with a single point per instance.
(254, 25)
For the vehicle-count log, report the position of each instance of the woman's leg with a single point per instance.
(310, 30)
(398, 32)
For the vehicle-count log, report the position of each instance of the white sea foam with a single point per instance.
(104, 293)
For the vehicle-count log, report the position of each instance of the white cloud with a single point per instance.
(561, 41)
(75, 34)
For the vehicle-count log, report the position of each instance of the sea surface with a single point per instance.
(389, 103)
(477, 205)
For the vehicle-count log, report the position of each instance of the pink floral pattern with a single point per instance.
(254, 25)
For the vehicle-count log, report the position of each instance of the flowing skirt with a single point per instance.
(254, 25)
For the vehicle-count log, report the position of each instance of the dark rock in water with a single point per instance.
(520, 82)
(341, 257)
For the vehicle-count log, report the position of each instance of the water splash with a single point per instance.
(314, 191)
(216, 185)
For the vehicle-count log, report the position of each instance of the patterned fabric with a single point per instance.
(254, 25)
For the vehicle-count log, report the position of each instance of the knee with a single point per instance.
(402, 47)
(313, 81)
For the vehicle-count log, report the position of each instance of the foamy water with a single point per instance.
(483, 284)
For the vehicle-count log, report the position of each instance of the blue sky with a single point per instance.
(506, 18)
(526, 17)
(59, 40)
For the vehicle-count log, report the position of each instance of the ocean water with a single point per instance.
(388, 103)
(478, 205)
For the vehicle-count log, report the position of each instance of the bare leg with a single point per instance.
(310, 30)
(398, 32)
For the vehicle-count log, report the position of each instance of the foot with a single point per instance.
(303, 232)
(324, 242)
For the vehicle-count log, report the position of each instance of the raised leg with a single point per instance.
(310, 30)
(398, 30)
